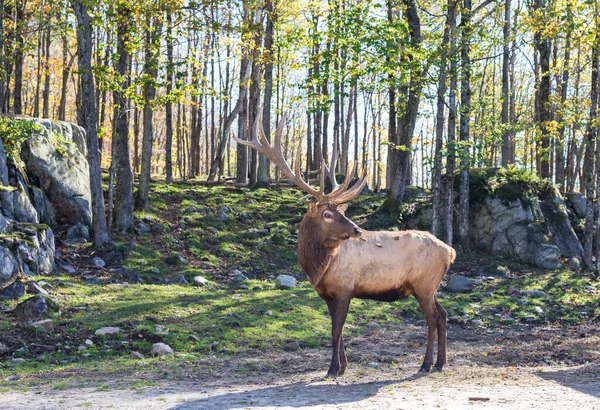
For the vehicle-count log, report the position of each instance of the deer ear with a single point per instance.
(313, 209)
(342, 208)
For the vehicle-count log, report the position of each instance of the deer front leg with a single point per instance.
(338, 309)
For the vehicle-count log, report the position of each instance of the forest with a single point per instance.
(157, 243)
(409, 91)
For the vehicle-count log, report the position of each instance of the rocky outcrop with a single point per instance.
(533, 228)
(63, 175)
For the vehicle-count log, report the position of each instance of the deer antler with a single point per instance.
(339, 193)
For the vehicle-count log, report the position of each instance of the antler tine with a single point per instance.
(331, 169)
(300, 181)
(352, 192)
(279, 132)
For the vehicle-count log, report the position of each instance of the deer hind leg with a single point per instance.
(338, 309)
(431, 317)
(442, 330)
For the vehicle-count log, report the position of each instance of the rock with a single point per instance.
(200, 281)
(513, 292)
(535, 293)
(222, 216)
(373, 364)
(23, 208)
(161, 349)
(176, 260)
(454, 319)
(269, 313)
(78, 233)
(291, 346)
(3, 224)
(14, 291)
(43, 206)
(3, 348)
(573, 264)
(238, 275)
(98, 262)
(33, 309)
(36, 289)
(494, 270)
(8, 265)
(557, 222)
(538, 310)
(107, 331)
(245, 215)
(88, 342)
(43, 325)
(64, 179)
(578, 203)
(477, 322)
(135, 278)
(137, 355)
(158, 228)
(285, 282)
(459, 283)
(3, 165)
(140, 228)
(178, 279)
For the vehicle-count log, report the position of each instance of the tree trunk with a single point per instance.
(465, 112)
(263, 162)
(18, 57)
(46, 91)
(507, 134)
(124, 176)
(84, 51)
(169, 104)
(151, 73)
(254, 93)
(451, 159)
(439, 125)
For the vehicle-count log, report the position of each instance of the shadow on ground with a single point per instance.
(294, 395)
(584, 379)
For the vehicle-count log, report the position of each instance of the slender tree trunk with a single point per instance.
(507, 134)
(451, 159)
(84, 51)
(564, 85)
(465, 112)
(46, 91)
(19, 57)
(439, 124)
(263, 162)
(591, 136)
(124, 176)
(151, 73)
(168, 104)
(254, 93)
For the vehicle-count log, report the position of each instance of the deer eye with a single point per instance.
(327, 215)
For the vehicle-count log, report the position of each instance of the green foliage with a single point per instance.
(508, 184)
(13, 133)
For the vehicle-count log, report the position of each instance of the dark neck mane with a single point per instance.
(314, 257)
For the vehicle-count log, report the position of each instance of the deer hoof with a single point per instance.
(425, 368)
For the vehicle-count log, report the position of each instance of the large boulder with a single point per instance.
(8, 266)
(63, 174)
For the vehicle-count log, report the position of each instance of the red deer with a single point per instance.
(343, 261)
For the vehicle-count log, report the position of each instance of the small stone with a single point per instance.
(3, 349)
(245, 215)
(161, 349)
(89, 342)
(513, 292)
(14, 291)
(160, 330)
(106, 331)
(291, 346)
(538, 310)
(175, 260)
(18, 360)
(98, 262)
(535, 293)
(373, 364)
(80, 348)
(269, 313)
(241, 277)
(477, 322)
(155, 270)
(458, 283)
(78, 233)
(32, 309)
(245, 287)
(573, 263)
(13, 378)
(66, 266)
(44, 325)
(453, 319)
(137, 355)
(36, 289)
(285, 282)
(530, 318)
(200, 281)
(178, 279)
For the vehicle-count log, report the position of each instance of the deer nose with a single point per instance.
(357, 231)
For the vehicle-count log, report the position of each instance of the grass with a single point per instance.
(225, 319)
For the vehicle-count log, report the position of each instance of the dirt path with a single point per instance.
(458, 388)
(526, 368)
